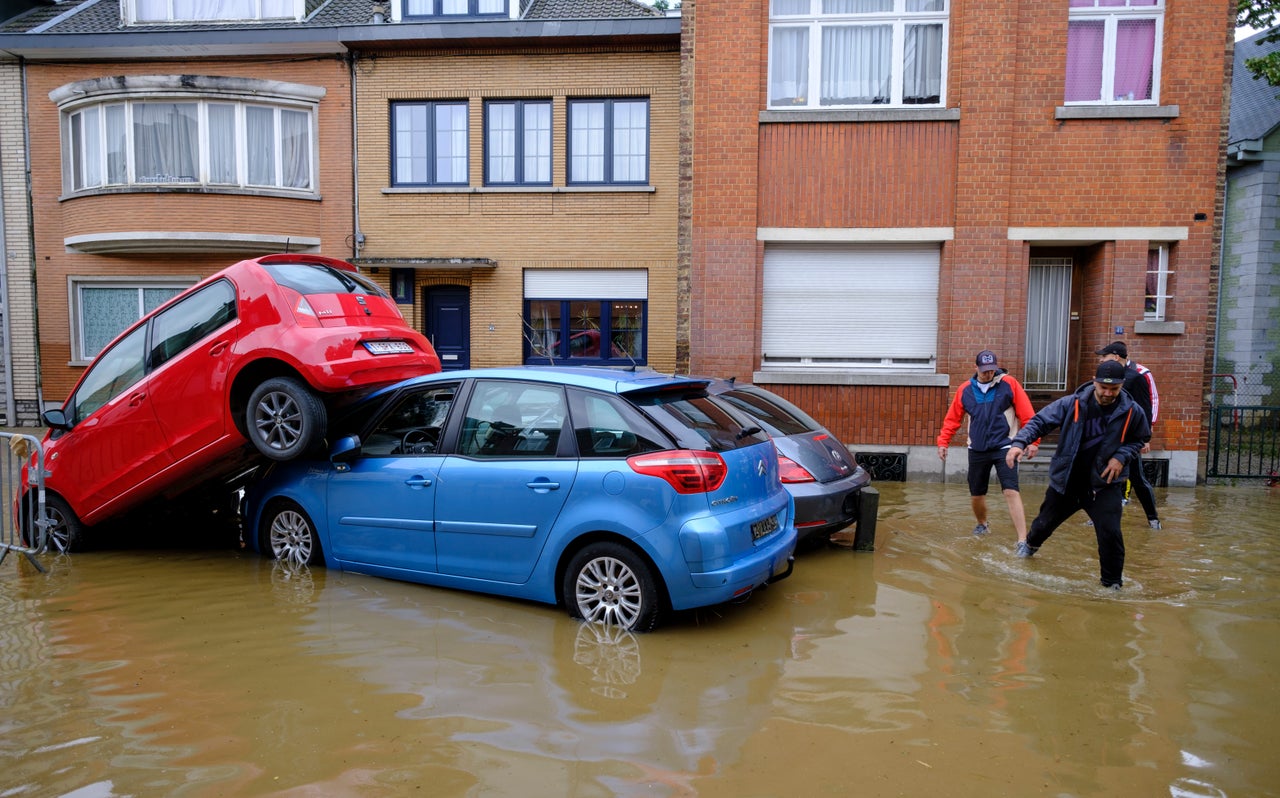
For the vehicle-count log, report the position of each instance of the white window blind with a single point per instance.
(586, 284)
(836, 305)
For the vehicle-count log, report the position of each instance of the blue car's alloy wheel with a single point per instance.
(608, 583)
(289, 536)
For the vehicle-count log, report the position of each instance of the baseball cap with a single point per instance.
(986, 360)
(1109, 373)
(1114, 348)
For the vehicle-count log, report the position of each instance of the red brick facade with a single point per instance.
(996, 174)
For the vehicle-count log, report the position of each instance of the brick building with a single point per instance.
(508, 170)
(882, 189)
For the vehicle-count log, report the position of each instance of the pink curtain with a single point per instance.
(1135, 48)
(1084, 60)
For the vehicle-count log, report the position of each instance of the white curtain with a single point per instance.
(151, 10)
(260, 145)
(117, 145)
(279, 9)
(165, 146)
(630, 141)
(587, 140)
(295, 149)
(857, 64)
(789, 78)
(419, 8)
(86, 150)
(537, 143)
(222, 143)
(451, 144)
(922, 64)
(502, 143)
(856, 6)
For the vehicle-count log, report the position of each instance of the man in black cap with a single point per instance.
(1139, 383)
(1102, 431)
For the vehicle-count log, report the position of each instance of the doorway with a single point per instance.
(448, 321)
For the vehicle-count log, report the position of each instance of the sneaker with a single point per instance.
(981, 529)
(1024, 549)
(1113, 586)
(1155, 523)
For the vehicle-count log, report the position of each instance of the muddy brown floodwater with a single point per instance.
(938, 665)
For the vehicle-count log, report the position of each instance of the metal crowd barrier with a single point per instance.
(23, 527)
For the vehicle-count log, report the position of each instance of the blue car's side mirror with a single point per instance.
(344, 450)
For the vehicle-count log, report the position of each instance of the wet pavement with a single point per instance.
(936, 665)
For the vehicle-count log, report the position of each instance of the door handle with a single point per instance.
(137, 398)
(542, 484)
(418, 482)
(218, 347)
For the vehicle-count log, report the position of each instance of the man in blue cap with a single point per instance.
(1102, 432)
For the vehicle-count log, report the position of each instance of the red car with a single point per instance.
(260, 351)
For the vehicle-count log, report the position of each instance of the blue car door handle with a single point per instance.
(542, 484)
(416, 481)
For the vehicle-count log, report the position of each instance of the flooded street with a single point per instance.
(937, 665)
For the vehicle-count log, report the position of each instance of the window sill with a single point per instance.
(1116, 112)
(608, 189)
(196, 188)
(920, 379)
(899, 114)
(1160, 327)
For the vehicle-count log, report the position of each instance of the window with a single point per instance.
(197, 141)
(455, 8)
(429, 144)
(102, 309)
(190, 320)
(517, 142)
(854, 53)
(141, 12)
(608, 141)
(115, 372)
(414, 427)
(610, 329)
(876, 308)
(513, 419)
(1158, 279)
(1113, 51)
(1048, 324)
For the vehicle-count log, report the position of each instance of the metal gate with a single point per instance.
(22, 526)
(1244, 442)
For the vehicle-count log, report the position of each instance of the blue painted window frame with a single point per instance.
(521, 132)
(561, 355)
(473, 10)
(609, 103)
(430, 155)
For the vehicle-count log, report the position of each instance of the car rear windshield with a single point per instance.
(771, 410)
(698, 422)
(317, 278)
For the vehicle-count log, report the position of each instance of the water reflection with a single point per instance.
(939, 664)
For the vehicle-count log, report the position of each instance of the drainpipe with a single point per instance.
(31, 239)
(357, 237)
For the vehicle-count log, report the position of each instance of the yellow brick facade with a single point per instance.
(526, 228)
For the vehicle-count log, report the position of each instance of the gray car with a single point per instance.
(816, 468)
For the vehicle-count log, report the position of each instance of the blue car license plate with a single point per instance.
(761, 528)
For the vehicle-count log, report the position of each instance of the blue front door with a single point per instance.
(448, 309)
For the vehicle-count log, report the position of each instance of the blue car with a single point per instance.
(621, 495)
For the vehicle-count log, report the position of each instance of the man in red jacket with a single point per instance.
(997, 407)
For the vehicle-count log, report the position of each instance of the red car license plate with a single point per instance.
(388, 347)
(761, 528)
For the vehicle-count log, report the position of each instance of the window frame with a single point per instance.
(78, 140)
(564, 333)
(520, 133)
(473, 11)
(1111, 16)
(1156, 305)
(431, 156)
(608, 154)
(76, 290)
(129, 11)
(815, 21)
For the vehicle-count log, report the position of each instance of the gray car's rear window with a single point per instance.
(698, 422)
